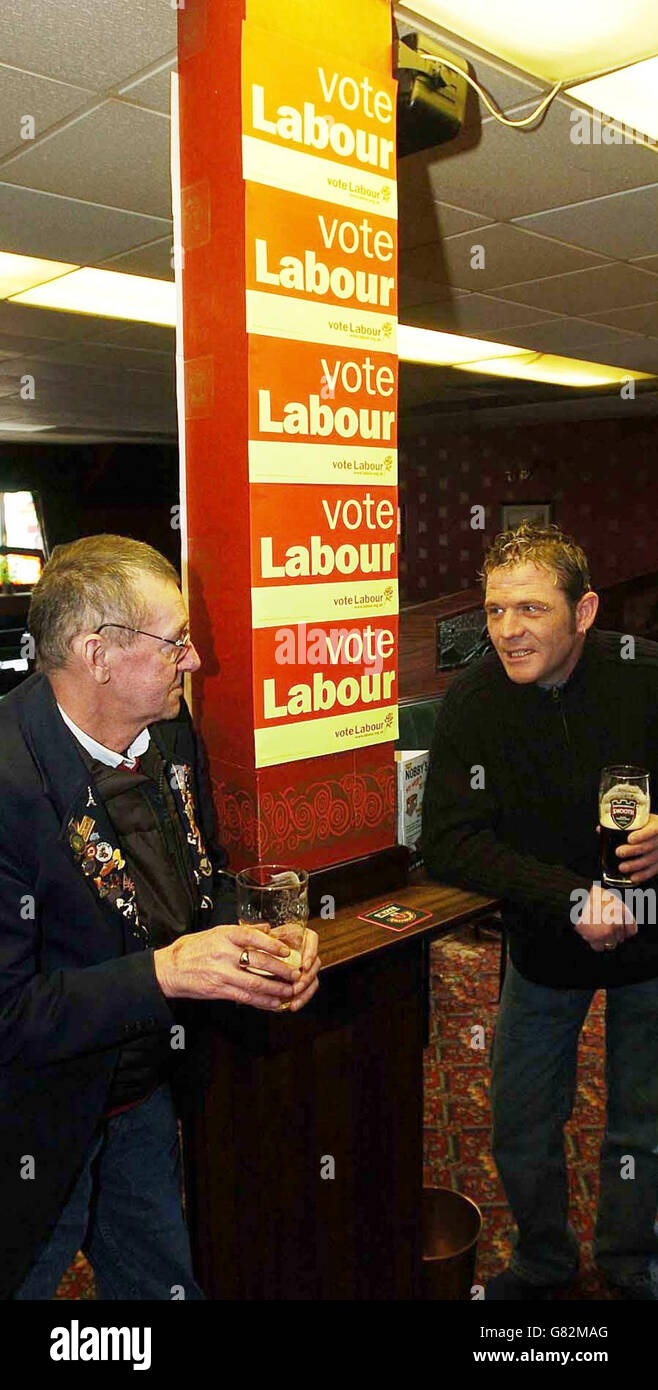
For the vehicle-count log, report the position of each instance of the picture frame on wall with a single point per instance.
(513, 513)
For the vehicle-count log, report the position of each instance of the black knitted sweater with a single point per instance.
(528, 835)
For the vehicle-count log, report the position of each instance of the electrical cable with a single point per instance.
(488, 102)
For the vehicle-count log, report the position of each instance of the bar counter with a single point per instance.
(303, 1159)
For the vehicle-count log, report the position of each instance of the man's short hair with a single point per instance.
(91, 581)
(547, 547)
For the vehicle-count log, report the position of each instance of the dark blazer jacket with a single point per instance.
(76, 980)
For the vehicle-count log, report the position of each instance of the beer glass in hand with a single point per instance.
(274, 898)
(624, 805)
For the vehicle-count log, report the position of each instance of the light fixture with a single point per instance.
(446, 349)
(560, 41)
(556, 371)
(108, 293)
(8, 427)
(422, 345)
(628, 96)
(23, 272)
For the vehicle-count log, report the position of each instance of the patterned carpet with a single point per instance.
(464, 971)
(457, 1120)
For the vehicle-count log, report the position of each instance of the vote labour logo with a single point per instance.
(622, 811)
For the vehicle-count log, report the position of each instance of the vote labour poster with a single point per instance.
(316, 272)
(327, 686)
(316, 125)
(302, 556)
(322, 414)
(321, 313)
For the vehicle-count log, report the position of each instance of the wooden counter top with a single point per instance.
(346, 938)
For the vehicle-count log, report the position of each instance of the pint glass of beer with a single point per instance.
(274, 898)
(624, 805)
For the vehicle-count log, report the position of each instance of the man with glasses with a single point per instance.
(111, 910)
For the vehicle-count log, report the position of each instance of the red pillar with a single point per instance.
(332, 806)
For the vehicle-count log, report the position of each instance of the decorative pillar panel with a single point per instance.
(289, 279)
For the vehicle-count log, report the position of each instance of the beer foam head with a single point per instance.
(624, 807)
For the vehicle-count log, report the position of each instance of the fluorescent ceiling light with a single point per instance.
(557, 371)
(500, 359)
(23, 272)
(446, 349)
(109, 293)
(557, 41)
(7, 427)
(630, 96)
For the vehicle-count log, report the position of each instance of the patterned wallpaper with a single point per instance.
(602, 478)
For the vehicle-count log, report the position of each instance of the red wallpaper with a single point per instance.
(600, 476)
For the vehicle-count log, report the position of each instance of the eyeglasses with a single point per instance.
(182, 644)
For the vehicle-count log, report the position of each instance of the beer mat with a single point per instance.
(394, 916)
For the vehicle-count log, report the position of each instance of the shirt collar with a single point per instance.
(98, 751)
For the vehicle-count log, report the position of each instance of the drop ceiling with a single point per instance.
(568, 230)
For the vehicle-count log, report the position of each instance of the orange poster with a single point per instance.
(331, 533)
(303, 101)
(303, 392)
(321, 295)
(322, 687)
(314, 250)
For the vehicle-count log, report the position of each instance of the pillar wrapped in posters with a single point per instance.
(288, 214)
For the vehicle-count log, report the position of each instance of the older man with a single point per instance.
(511, 809)
(109, 889)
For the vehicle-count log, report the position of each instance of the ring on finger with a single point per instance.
(244, 960)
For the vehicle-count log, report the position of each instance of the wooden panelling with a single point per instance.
(418, 675)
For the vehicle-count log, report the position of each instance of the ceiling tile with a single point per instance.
(479, 315)
(22, 94)
(141, 335)
(154, 92)
(574, 337)
(421, 219)
(624, 225)
(642, 318)
(12, 345)
(638, 354)
(547, 412)
(154, 260)
(62, 229)
(431, 272)
(647, 263)
(413, 292)
(26, 320)
(93, 398)
(41, 368)
(117, 155)
(506, 89)
(508, 251)
(512, 173)
(97, 44)
(587, 291)
(116, 356)
(451, 220)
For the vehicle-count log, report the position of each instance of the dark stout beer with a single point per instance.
(623, 807)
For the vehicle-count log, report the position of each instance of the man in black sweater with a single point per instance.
(511, 810)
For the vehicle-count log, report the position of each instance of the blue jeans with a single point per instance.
(533, 1089)
(125, 1213)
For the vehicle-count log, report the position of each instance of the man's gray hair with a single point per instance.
(92, 581)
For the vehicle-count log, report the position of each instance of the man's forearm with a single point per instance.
(478, 860)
